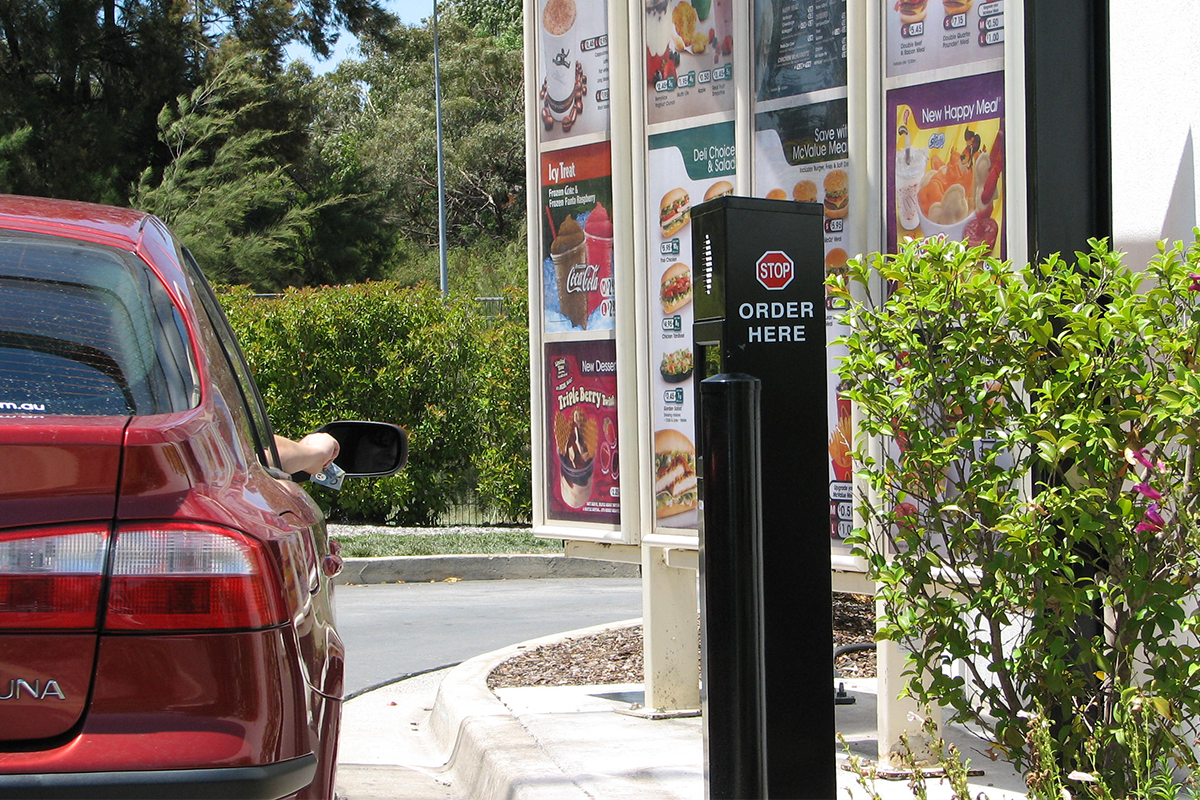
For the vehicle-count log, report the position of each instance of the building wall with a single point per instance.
(1155, 79)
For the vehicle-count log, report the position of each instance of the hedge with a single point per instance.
(456, 378)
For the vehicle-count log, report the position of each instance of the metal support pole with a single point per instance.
(441, 169)
(731, 590)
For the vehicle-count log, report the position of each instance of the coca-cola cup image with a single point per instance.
(598, 234)
(568, 251)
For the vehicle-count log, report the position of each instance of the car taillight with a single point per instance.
(50, 578)
(177, 576)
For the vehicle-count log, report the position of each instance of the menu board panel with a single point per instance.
(685, 168)
(583, 468)
(945, 164)
(577, 239)
(689, 58)
(572, 57)
(799, 47)
(802, 155)
(923, 35)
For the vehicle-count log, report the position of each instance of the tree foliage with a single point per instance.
(1031, 518)
(391, 125)
(89, 77)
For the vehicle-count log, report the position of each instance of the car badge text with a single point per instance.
(35, 690)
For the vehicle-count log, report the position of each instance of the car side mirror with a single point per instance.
(368, 449)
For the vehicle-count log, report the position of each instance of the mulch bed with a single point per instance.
(615, 656)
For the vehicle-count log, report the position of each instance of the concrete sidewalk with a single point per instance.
(446, 736)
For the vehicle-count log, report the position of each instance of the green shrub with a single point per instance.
(1032, 513)
(455, 379)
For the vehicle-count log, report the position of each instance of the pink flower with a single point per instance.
(1146, 490)
(1139, 456)
(1194, 277)
(1151, 520)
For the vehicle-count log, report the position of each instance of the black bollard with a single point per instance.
(731, 598)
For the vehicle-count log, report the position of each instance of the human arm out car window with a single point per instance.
(312, 454)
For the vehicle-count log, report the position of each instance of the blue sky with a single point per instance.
(411, 12)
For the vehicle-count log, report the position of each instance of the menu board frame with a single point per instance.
(635, 126)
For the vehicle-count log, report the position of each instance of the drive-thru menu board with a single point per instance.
(799, 46)
(802, 153)
(690, 58)
(686, 167)
(924, 35)
(577, 239)
(583, 466)
(575, 286)
(943, 137)
(945, 176)
(941, 94)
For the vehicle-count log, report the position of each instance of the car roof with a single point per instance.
(70, 217)
(125, 228)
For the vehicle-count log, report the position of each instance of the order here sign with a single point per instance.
(775, 270)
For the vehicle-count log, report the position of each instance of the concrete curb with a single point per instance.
(422, 569)
(488, 753)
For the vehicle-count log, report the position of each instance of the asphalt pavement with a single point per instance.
(443, 735)
(395, 630)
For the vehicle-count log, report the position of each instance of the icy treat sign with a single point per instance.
(775, 270)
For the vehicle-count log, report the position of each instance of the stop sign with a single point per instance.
(775, 270)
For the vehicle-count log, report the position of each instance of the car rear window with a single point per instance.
(87, 330)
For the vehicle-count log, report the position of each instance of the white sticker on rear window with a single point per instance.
(8, 407)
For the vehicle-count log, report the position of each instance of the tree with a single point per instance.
(390, 122)
(224, 195)
(89, 77)
(503, 19)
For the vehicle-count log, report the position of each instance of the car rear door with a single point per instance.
(300, 536)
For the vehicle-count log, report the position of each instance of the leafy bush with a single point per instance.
(1031, 515)
(455, 379)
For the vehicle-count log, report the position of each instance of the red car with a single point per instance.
(166, 619)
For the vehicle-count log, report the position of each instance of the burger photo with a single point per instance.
(675, 211)
(777, 194)
(957, 6)
(804, 191)
(675, 291)
(835, 264)
(837, 194)
(675, 483)
(911, 10)
(718, 189)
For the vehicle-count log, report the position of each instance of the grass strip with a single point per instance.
(377, 545)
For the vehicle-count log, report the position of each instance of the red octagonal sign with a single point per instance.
(775, 270)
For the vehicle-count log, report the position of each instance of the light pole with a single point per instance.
(441, 170)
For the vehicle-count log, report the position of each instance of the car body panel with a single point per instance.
(66, 472)
(46, 689)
